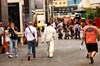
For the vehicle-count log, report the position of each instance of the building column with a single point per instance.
(21, 22)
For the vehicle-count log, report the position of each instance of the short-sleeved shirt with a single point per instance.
(13, 35)
(77, 27)
(91, 32)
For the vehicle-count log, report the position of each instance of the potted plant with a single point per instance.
(97, 19)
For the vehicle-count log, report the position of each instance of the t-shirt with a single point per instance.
(77, 26)
(7, 36)
(91, 32)
(13, 35)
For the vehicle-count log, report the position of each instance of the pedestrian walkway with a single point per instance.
(67, 53)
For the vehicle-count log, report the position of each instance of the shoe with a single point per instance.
(16, 56)
(34, 57)
(7, 53)
(18, 49)
(50, 57)
(28, 57)
(10, 56)
(92, 61)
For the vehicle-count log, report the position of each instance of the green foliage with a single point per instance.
(90, 14)
(98, 12)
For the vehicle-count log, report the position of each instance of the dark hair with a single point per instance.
(39, 22)
(6, 27)
(90, 21)
(49, 23)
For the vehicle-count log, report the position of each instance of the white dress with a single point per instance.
(7, 37)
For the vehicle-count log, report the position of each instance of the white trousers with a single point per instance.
(50, 48)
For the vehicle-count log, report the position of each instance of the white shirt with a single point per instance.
(29, 35)
(54, 25)
(7, 36)
(45, 25)
(49, 33)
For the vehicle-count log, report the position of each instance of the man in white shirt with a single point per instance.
(49, 35)
(31, 35)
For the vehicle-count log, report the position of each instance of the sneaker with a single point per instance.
(7, 53)
(34, 57)
(28, 57)
(16, 56)
(51, 57)
(10, 56)
(18, 49)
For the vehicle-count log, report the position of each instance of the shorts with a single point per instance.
(92, 47)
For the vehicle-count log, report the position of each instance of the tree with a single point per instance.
(90, 14)
(98, 12)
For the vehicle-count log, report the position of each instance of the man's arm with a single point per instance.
(35, 34)
(54, 34)
(44, 36)
(83, 38)
(97, 33)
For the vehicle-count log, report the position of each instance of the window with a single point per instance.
(63, 14)
(78, 1)
(70, 2)
(55, 3)
(59, 2)
(63, 2)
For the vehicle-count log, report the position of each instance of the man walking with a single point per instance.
(31, 35)
(49, 35)
(90, 32)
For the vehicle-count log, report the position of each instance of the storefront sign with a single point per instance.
(64, 9)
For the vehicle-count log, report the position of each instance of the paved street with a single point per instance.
(67, 53)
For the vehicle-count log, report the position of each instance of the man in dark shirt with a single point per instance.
(13, 40)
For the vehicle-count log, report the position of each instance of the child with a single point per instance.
(72, 32)
(7, 39)
(66, 33)
(60, 34)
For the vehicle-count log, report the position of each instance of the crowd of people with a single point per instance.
(50, 29)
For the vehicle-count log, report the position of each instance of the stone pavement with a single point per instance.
(67, 53)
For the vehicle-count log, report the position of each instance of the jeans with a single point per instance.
(33, 45)
(77, 32)
(13, 42)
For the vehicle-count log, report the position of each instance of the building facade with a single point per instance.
(66, 3)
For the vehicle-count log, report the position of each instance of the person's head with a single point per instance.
(7, 23)
(30, 23)
(89, 22)
(0, 24)
(49, 23)
(7, 28)
(39, 22)
(12, 25)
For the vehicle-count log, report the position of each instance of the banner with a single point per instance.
(66, 19)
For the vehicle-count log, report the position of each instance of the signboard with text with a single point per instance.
(64, 9)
